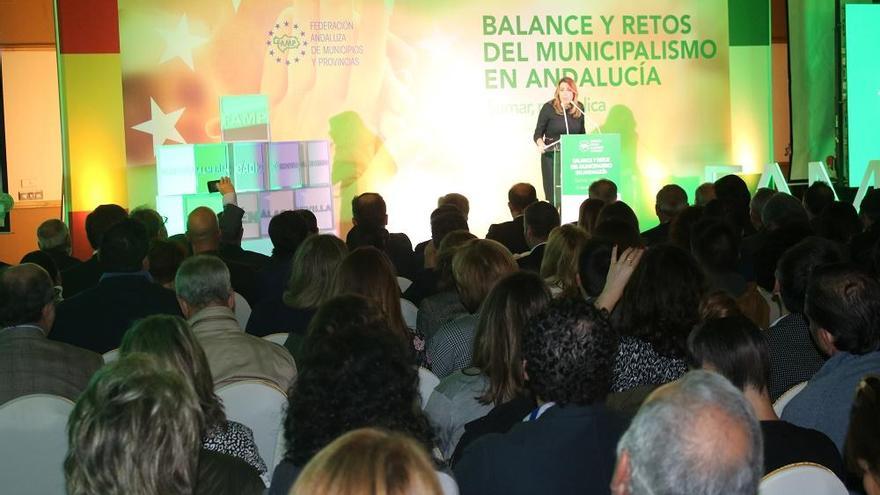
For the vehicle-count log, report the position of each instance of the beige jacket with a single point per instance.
(234, 355)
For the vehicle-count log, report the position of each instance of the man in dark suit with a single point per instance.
(29, 362)
(53, 238)
(203, 233)
(231, 230)
(512, 233)
(670, 200)
(370, 217)
(567, 444)
(539, 219)
(97, 318)
(86, 275)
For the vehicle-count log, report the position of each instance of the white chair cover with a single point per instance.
(786, 397)
(111, 356)
(447, 484)
(404, 283)
(410, 313)
(242, 310)
(277, 338)
(803, 478)
(259, 405)
(33, 443)
(427, 382)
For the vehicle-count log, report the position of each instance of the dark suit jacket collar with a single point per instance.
(570, 411)
(27, 330)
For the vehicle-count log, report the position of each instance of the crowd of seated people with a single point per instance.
(739, 336)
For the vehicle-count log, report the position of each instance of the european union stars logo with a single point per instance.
(287, 43)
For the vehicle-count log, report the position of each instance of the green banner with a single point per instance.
(587, 158)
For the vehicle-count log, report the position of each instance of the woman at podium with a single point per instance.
(564, 114)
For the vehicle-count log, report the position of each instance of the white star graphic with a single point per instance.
(161, 125)
(235, 4)
(180, 43)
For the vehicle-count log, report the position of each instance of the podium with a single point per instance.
(581, 160)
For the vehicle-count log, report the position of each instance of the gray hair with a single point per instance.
(53, 233)
(696, 436)
(203, 281)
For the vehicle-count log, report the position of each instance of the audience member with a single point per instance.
(695, 436)
(207, 301)
(164, 258)
(203, 233)
(369, 460)
(657, 312)
(496, 374)
(588, 214)
(704, 193)
(86, 275)
(539, 219)
(838, 222)
(737, 349)
(457, 200)
(97, 318)
(794, 357)
(620, 233)
(785, 224)
(444, 219)
(757, 204)
(152, 221)
(444, 305)
(568, 350)
(862, 454)
(369, 214)
(682, 225)
(559, 268)
(368, 272)
(344, 313)
(134, 430)
(595, 257)
(232, 230)
(356, 377)
(718, 304)
(170, 341)
(512, 233)
(45, 261)
(733, 198)
(843, 307)
(53, 237)
(715, 246)
(862, 244)
(671, 199)
(816, 198)
(311, 283)
(604, 190)
(618, 211)
(477, 267)
(29, 362)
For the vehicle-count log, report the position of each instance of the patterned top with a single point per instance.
(237, 440)
(419, 344)
(637, 364)
(436, 310)
(450, 349)
(794, 357)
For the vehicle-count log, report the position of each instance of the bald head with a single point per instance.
(520, 196)
(704, 194)
(202, 230)
(26, 296)
(603, 189)
(696, 435)
(670, 200)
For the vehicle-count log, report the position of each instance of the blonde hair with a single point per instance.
(560, 263)
(134, 430)
(369, 462)
(476, 267)
(575, 110)
(313, 271)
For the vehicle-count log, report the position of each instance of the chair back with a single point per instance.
(410, 313)
(277, 338)
(803, 478)
(448, 486)
(259, 405)
(111, 356)
(427, 383)
(786, 397)
(33, 443)
(404, 283)
(242, 310)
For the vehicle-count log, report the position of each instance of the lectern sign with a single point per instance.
(587, 158)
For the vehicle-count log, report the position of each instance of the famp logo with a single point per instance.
(591, 146)
(287, 43)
